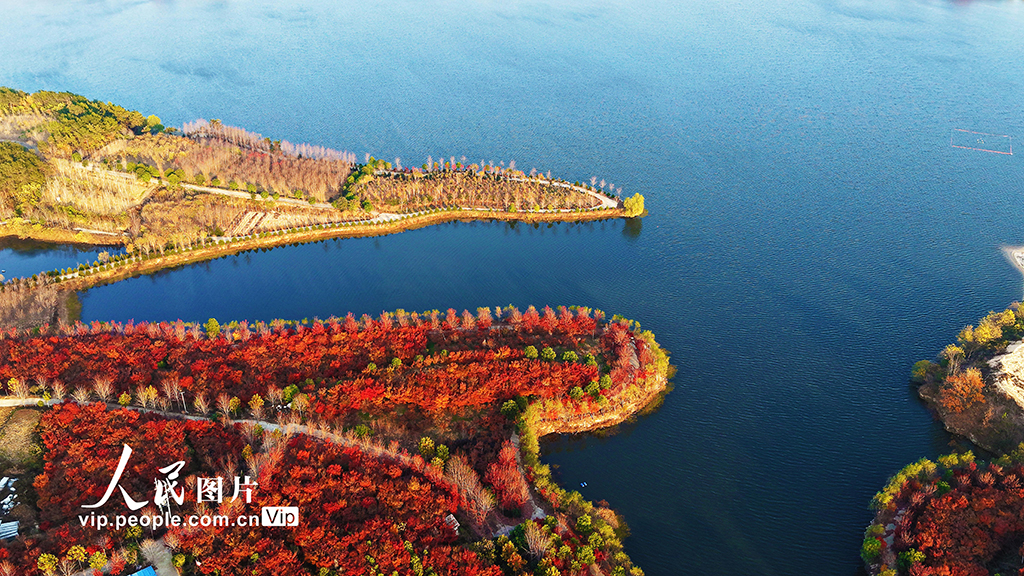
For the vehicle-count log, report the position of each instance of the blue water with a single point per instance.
(23, 258)
(812, 232)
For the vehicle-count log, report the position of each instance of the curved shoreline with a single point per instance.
(389, 224)
(623, 411)
(1015, 255)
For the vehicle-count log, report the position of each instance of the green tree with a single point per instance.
(547, 353)
(510, 409)
(921, 370)
(570, 356)
(143, 173)
(908, 558)
(427, 449)
(584, 524)
(212, 328)
(530, 352)
(871, 549)
(289, 392)
(585, 555)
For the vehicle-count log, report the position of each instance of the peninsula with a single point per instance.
(408, 443)
(78, 170)
(960, 515)
(75, 170)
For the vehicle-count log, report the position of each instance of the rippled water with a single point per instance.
(812, 231)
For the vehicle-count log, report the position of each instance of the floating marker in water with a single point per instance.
(981, 141)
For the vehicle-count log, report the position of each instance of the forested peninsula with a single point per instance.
(961, 515)
(408, 442)
(76, 170)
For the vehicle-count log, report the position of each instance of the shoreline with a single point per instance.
(643, 398)
(1015, 255)
(94, 276)
(82, 236)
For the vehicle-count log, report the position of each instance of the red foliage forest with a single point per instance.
(367, 507)
(960, 518)
(434, 364)
(357, 511)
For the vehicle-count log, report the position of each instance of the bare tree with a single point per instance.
(200, 404)
(104, 388)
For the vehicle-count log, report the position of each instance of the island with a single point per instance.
(961, 515)
(405, 444)
(75, 170)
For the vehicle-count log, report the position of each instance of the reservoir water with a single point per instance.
(812, 230)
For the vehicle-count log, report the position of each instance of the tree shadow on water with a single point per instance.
(632, 228)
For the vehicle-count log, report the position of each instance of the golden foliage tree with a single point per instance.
(962, 390)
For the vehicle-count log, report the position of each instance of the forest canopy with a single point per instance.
(22, 175)
(408, 442)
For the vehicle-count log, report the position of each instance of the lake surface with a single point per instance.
(812, 231)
